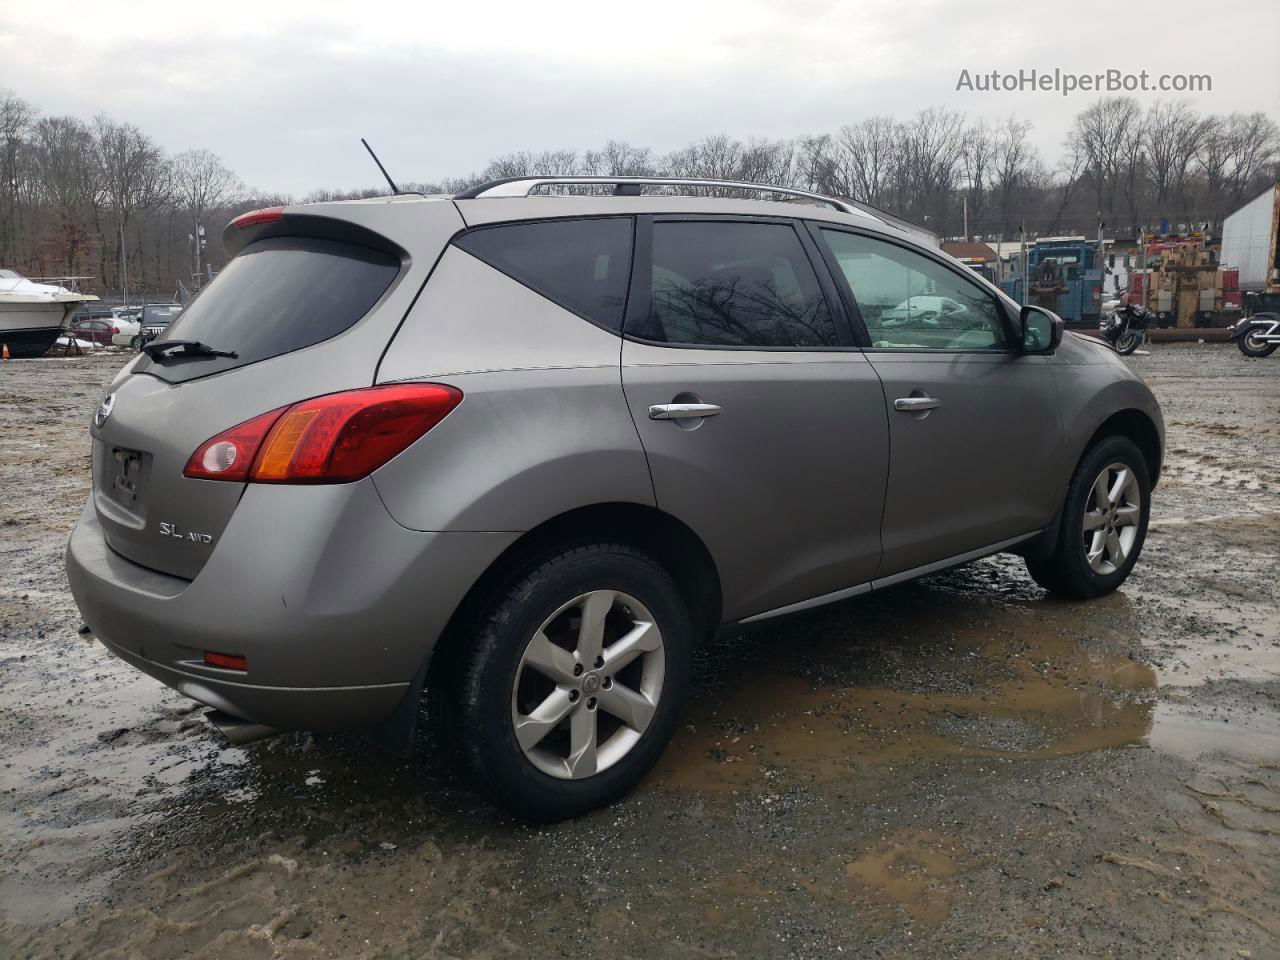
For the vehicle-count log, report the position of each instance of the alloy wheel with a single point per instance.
(1111, 518)
(588, 684)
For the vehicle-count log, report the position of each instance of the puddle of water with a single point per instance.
(906, 873)
(1019, 683)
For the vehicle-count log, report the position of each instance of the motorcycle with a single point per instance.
(1259, 335)
(1126, 329)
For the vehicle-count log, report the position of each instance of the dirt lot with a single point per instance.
(960, 767)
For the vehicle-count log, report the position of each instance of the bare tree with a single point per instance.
(16, 116)
(1012, 166)
(977, 158)
(934, 142)
(1174, 135)
(70, 185)
(134, 176)
(202, 183)
(867, 160)
(1101, 134)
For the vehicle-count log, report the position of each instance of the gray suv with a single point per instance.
(508, 457)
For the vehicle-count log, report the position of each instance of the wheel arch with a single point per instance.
(1130, 422)
(669, 541)
(1138, 427)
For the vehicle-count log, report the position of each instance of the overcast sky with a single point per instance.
(282, 90)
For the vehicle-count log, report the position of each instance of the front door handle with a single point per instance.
(682, 411)
(915, 404)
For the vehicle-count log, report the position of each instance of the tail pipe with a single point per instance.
(239, 732)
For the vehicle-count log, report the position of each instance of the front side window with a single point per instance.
(910, 301)
(734, 284)
(583, 265)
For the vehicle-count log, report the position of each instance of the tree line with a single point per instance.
(101, 198)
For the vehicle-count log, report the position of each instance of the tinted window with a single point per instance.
(276, 296)
(583, 265)
(908, 300)
(722, 283)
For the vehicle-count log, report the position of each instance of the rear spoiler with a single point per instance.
(298, 222)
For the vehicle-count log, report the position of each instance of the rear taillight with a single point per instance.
(332, 439)
(265, 215)
(115, 329)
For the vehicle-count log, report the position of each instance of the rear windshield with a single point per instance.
(277, 296)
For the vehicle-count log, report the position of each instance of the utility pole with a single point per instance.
(124, 267)
(197, 244)
(1022, 237)
(964, 203)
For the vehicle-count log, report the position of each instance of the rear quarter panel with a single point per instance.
(543, 426)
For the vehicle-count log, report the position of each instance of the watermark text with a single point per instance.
(1066, 83)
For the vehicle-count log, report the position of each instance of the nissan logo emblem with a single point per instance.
(104, 409)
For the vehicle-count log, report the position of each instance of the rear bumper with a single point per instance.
(334, 605)
(285, 708)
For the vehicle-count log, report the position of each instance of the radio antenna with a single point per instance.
(391, 183)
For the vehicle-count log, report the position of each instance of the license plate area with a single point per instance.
(123, 477)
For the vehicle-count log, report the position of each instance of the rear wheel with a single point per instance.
(1253, 344)
(573, 686)
(1104, 523)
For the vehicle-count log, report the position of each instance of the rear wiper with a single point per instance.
(159, 349)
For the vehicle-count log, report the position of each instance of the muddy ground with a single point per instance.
(959, 767)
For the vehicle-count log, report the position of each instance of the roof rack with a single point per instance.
(631, 187)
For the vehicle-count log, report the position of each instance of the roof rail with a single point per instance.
(631, 187)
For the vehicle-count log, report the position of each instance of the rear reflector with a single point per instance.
(225, 661)
(332, 439)
(265, 215)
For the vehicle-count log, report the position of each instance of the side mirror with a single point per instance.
(1041, 329)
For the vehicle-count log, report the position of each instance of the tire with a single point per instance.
(1251, 346)
(527, 665)
(1069, 568)
(137, 342)
(1126, 344)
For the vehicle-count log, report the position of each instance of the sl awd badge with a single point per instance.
(171, 530)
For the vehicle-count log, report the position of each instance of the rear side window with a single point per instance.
(733, 284)
(583, 265)
(278, 295)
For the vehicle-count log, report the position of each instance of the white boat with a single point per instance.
(33, 314)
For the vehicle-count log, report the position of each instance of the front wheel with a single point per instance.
(1253, 344)
(137, 342)
(1104, 523)
(1126, 343)
(573, 685)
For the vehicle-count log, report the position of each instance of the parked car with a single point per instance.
(92, 311)
(517, 455)
(91, 330)
(124, 330)
(153, 321)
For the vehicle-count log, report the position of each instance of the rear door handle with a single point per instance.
(682, 411)
(915, 404)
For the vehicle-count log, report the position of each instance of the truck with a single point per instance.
(1251, 244)
(1065, 275)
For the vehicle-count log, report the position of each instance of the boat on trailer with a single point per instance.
(32, 314)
